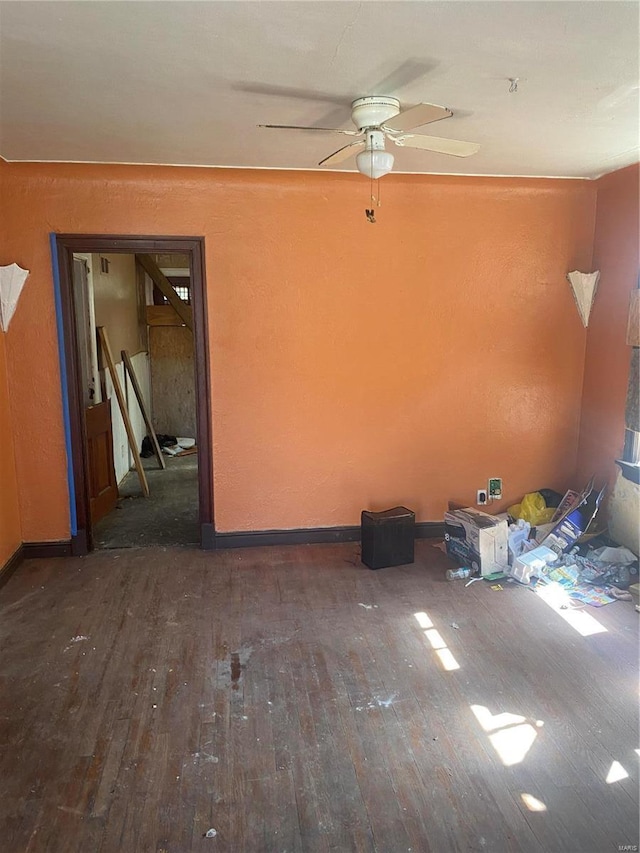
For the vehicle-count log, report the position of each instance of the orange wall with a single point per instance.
(10, 534)
(607, 359)
(354, 365)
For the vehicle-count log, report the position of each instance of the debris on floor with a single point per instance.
(546, 539)
(170, 445)
(619, 556)
(589, 579)
(147, 451)
(532, 562)
(181, 447)
(576, 521)
(557, 522)
(532, 509)
(495, 576)
(457, 574)
(210, 833)
(518, 538)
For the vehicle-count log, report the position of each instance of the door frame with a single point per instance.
(63, 247)
(86, 257)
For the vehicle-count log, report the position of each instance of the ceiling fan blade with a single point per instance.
(301, 127)
(417, 116)
(437, 144)
(342, 153)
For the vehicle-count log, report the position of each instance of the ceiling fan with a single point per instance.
(379, 118)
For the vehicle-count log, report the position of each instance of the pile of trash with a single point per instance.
(547, 538)
(555, 550)
(170, 445)
(602, 576)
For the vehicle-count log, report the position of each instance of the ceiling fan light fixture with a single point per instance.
(378, 119)
(374, 164)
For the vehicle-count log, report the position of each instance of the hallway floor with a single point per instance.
(169, 516)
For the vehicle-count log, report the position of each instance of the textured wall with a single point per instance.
(608, 358)
(353, 365)
(10, 533)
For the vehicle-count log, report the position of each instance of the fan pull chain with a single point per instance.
(369, 213)
(375, 200)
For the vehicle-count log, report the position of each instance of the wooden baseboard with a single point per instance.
(28, 550)
(311, 535)
(430, 530)
(62, 548)
(11, 565)
(210, 541)
(300, 536)
(207, 537)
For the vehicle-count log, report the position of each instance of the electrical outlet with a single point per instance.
(495, 488)
(481, 499)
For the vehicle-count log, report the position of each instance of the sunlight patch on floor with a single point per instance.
(449, 663)
(435, 638)
(616, 773)
(490, 722)
(511, 736)
(532, 803)
(423, 620)
(513, 744)
(558, 599)
(437, 642)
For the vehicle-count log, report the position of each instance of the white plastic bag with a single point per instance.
(518, 535)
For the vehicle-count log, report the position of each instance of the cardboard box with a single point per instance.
(477, 540)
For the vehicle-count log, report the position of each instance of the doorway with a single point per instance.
(109, 510)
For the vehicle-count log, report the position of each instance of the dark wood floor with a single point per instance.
(290, 699)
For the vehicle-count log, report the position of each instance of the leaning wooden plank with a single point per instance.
(166, 288)
(108, 357)
(128, 365)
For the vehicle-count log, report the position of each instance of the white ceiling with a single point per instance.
(187, 82)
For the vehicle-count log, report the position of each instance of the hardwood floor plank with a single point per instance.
(290, 699)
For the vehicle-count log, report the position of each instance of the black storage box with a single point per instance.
(387, 537)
